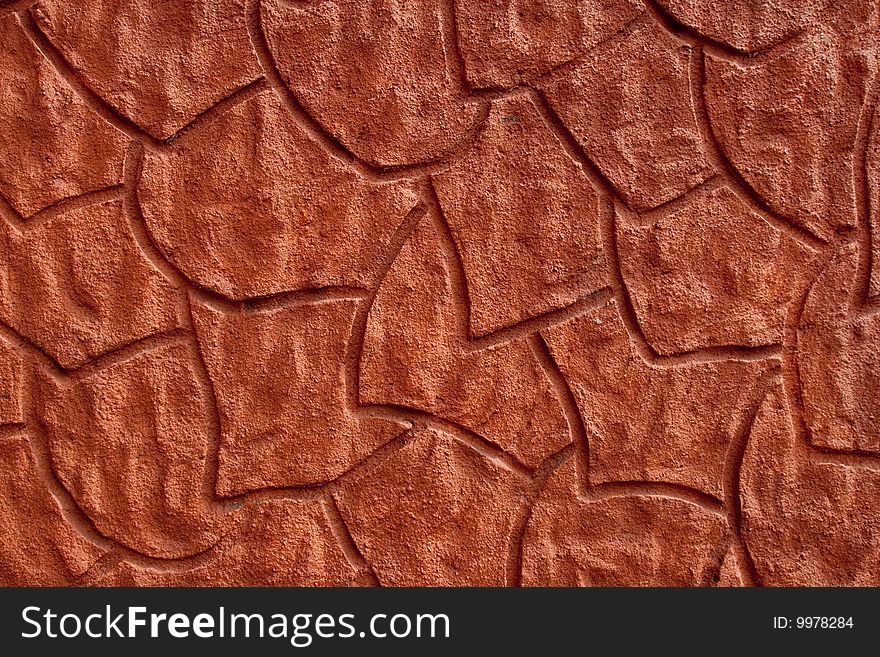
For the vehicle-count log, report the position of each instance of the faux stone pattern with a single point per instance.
(279, 380)
(248, 206)
(416, 354)
(787, 121)
(54, 147)
(503, 293)
(648, 423)
(748, 26)
(40, 546)
(158, 78)
(627, 104)
(78, 286)
(138, 420)
(462, 504)
(505, 42)
(518, 168)
(708, 270)
(344, 62)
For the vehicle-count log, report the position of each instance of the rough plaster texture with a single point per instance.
(464, 292)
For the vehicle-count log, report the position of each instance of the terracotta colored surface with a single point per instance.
(515, 292)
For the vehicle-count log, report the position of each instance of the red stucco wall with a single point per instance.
(406, 292)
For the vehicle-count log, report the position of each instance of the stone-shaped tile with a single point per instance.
(51, 145)
(10, 384)
(525, 220)
(806, 523)
(630, 109)
(279, 377)
(277, 543)
(504, 42)
(666, 424)
(709, 272)
(629, 540)
(37, 546)
(131, 444)
(788, 123)
(379, 81)
(416, 354)
(839, 362)
(248, 205)
(160, 64)
(436, 513)
(78, 285)
(746, 25)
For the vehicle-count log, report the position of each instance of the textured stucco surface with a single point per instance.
(450, 292)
